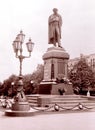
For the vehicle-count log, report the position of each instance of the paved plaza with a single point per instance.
(65, 121)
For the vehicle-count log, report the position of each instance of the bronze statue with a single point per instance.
(55, 23)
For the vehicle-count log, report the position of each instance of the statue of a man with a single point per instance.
(55, 23)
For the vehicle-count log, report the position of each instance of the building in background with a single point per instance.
(89, 58)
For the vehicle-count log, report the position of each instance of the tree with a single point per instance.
(29, 87)
(38, 74)
(82, 76)
(36, 77)
(8, 89)
(1, 88)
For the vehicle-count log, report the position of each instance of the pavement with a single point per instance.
(62, 121)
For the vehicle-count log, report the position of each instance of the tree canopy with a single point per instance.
(31, 82)
(82, 76)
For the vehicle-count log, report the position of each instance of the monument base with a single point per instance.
(55, 89)
(62, 89)
(45, 88)
(55, 63)
(55, 66)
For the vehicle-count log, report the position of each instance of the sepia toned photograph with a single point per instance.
(47, 65)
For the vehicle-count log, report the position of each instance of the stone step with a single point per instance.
(77, 100)
(33, 98)
(34, 95)
(67, 96)
(33, 104)
(64, 100)
(70, 102)
(32, 101)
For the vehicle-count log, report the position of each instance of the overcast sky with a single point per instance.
(78, 30)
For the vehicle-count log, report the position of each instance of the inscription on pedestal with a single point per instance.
(47, 71)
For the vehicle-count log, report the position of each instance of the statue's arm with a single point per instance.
(50, 20)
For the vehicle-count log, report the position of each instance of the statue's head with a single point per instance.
(55, 10)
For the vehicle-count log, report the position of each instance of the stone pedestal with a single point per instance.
(55, 65)
(66, 87)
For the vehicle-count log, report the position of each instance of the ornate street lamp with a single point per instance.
(17, 46)
(21, 103)
(12, 85)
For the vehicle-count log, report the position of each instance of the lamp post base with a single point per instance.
(20, 106)
(11, 113)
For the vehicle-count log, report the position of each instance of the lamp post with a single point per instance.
(21, 103)
(12, 84)
(17, 46)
